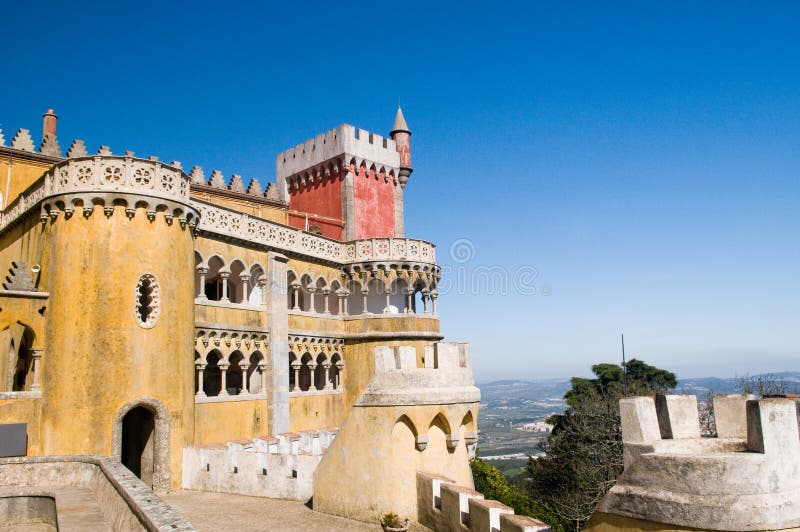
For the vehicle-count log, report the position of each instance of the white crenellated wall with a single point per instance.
(444, 506)
(279, 467)
(335, 143)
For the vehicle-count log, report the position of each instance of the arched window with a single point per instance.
(213, 288)
(212, 376)
(233, 378)
(306, 372)
(147, 301)
(320, 372)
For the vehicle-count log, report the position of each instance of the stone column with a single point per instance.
(425, 296)
(200, 367)
(245, 278)
(434, 297)
(262, 285)
(243, 365)
(388, 299)
(201, 290)
(224, 276)
(398, 210)
(223, 370)
(348, 204)
(327, 367)
(295, 293)
(312, 292)
(326, 292)
(36, 354)
(340, 367)
(262, 368)
(364, 292)
(278, 321)
(409, 301)
(296, 369)
(312, 366)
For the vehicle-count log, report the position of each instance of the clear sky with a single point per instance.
(643, 159)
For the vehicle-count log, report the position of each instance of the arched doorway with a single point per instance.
(141, 441)
(138, 443)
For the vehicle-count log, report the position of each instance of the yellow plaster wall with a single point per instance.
(259, 210)
(308, 412)
(26, 410)
(383, 439)
(23, 174)
(24, 311)
(98, 358)
(230, 316)
(230, 420)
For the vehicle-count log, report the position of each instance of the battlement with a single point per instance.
(279, 466)
(747, 478)
(445, 378)
(345, 143)
(444, 505)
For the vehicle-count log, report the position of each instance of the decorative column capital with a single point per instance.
(224, 275)
(202, 270)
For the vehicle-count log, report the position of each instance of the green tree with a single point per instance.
(491, 482)
(583, 455)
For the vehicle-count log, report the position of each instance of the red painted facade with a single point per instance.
(374, 205)
(322, 201)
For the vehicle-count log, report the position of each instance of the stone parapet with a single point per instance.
(227, 223)
(746, 479)
(443, 505)
(279, 466)
(343, 142)
(126, 503)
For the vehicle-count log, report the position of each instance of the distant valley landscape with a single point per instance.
(508, 404)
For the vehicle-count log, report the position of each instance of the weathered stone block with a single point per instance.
(730, 415)
(678, 416)
(484, 516)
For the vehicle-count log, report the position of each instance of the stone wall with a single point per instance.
(279, 467)
(747, 478)
(127, 504)
(408, 418)
(445, 506)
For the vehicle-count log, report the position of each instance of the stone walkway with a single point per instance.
(78, 510)
(222, 512)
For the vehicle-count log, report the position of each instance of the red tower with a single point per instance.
(348, 183)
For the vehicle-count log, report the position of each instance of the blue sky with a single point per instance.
(643, 159)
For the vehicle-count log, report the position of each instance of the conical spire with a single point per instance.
(399, 123)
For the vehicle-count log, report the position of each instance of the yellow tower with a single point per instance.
(118, 264)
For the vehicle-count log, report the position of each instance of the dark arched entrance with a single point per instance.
(138, 443)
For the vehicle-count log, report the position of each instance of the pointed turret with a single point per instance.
(402, 138)
(399, 123)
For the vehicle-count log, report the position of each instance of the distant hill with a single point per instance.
(554, 389)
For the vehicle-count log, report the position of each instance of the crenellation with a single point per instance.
(104, 150)
(23, 141)
(772, 428)
(2, 138)
(730, 414)
(678, 416)
(197, 175)
(77, 149)
(344, 142)
(49, 146)
(444, 505)
(747, 478)
(236, 184)
(254, 188)
(217, 180)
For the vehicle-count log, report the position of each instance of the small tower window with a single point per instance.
(147, 301)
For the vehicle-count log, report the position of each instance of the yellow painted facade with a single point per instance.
(135, 304)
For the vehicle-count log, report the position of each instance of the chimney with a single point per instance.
(49, 124)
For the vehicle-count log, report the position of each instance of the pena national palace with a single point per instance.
(165, 328)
